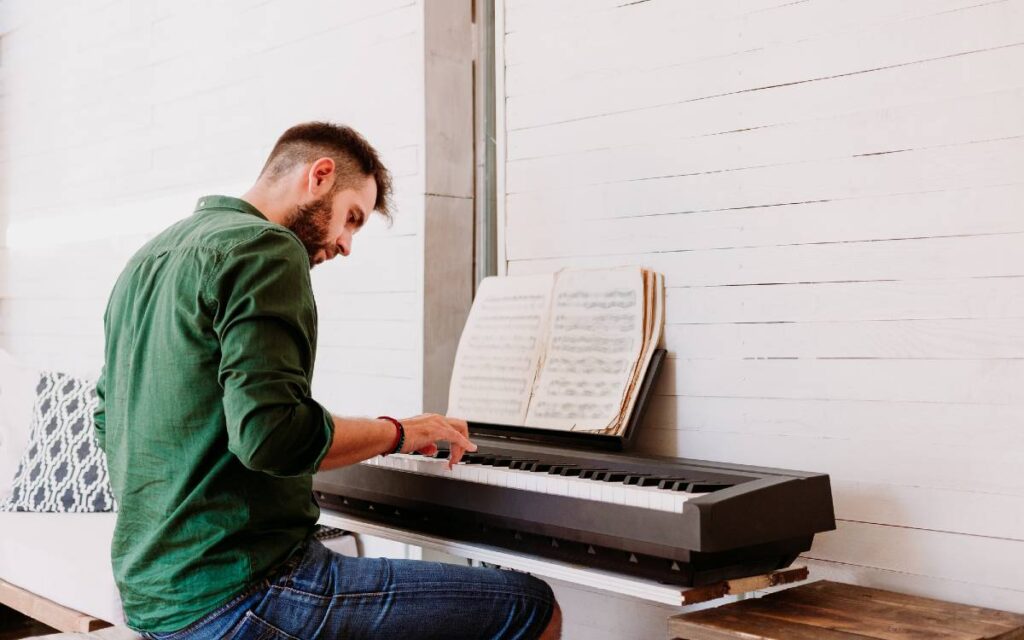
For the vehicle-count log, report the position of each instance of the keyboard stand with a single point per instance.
(544, 568)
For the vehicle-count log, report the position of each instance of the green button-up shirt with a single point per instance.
(205, 412)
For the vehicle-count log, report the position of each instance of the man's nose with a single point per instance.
(344, 246)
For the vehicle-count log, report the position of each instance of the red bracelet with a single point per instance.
(396, 446)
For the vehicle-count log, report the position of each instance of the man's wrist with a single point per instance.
(399, 439)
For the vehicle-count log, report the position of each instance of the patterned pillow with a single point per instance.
(63, 468)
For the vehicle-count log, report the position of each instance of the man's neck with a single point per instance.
(269, 204)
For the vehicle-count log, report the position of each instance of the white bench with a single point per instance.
(64, 560)
(54, 567)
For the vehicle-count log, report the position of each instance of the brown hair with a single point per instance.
(353, 157)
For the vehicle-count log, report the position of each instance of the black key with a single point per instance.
(634, 478)
(706, 487)
(684, 484)
(668, 483)
(538, 467)
(612, 476)
(520, 464)
(568, 470)
(473, 458)
(502, 462)
(588, 474)
(444, 454)
(489, 460)
(677, 484)
(650, 481)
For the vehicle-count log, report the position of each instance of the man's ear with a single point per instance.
(321, 176)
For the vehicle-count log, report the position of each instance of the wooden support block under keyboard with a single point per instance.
(832, 611)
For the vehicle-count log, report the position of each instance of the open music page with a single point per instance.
(594, 341)
(654, 322)
(497, 359)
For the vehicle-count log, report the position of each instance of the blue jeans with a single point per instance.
(321, 594)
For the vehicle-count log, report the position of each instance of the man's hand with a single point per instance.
(358, 439)
(424, 431)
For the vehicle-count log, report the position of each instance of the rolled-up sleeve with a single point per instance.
(265, 320)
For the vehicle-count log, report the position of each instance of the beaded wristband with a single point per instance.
(399, 435)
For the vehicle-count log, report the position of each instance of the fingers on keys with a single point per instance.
(460, 442)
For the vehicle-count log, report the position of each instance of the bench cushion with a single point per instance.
(64, 557)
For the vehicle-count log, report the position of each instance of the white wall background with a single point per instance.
(115, 116)
(833, 190)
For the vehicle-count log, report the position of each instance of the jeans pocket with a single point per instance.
(253, 627)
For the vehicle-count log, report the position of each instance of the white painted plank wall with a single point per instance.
(116, 116)
(832, 190)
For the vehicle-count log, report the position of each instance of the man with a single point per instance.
(212, 437)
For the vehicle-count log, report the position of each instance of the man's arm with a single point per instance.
(265, 321)
(357, 439)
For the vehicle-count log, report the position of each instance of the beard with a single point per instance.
(311, 223)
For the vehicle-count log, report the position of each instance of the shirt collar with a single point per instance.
(227, 202)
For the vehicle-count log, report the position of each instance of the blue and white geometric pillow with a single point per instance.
(63, 468)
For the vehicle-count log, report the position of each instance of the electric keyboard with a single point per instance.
(678, 521)
(579, 498)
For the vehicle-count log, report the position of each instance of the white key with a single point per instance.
(571, 486)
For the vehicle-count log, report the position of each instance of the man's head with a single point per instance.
(326, 180)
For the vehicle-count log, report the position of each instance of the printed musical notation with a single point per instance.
(573, 412)
(562, 351)
(498, 354)
(596, 333)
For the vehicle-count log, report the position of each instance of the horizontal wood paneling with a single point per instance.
(969, 338)
(935, 423)
(959, 381)
(368, 360)
(974, 513)
(981, 27)
(366, 395)
(990, 115)
(677, 34)
(831, 190)
(922, 83)
(970, 559)
(983, 297)
(904, 216)
(979, 164)
(909, 259)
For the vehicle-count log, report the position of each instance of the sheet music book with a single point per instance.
(565, 351)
